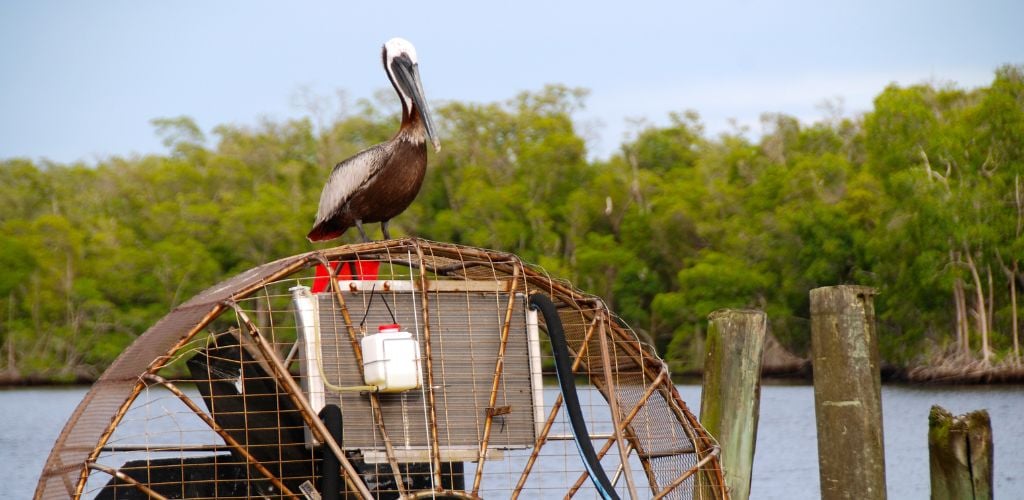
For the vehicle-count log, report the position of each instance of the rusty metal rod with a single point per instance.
(128, 479)
(187, 448)
(622, 425)
(499, 367)
(435, 447)
(225, 435)
(357, 349)
(344, 308)
(644, 457)
(618, 472)
(613, 402)
(702, 442)
(557, 405)
(294, 392)
(679, 480)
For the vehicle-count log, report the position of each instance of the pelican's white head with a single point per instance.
(399, 48)
(396, 47)
(402, 66)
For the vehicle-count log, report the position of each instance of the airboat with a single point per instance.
(396, 369)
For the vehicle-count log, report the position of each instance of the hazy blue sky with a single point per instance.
(81, 80)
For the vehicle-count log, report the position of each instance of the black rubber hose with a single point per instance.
(330, 468)
(567, 384)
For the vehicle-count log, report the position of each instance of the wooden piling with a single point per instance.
(960, 455)
(847, 393)
(732, 391)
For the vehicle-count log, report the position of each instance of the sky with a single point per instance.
(80, 81)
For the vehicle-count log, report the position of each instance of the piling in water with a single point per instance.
(732, 391)
(960, 455)
(847, 393)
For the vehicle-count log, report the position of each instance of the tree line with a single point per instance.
(920, 197)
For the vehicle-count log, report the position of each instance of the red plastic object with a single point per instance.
(363, 270)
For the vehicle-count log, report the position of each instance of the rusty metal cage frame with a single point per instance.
(650, 420)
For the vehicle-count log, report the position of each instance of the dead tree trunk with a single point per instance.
(1018, 199)
(960, 304)
(1013, 312)
(979, 306)
(991, 318)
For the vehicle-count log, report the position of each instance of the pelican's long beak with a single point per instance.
(408, 75)
(419, 98)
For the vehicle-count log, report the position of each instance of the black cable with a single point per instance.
(567, 384)
(370, 303)
(330, 469)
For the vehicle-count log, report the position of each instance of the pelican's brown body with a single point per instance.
(387, 192)
(380, 182)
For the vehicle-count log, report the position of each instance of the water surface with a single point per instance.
(785, 464)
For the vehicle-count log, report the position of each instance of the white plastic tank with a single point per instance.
(391, 360)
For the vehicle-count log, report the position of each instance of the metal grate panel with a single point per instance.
(465, 332)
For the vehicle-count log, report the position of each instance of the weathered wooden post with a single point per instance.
(960, 455)
(847, 393)
(732, 391)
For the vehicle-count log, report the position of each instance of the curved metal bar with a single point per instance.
(154, 367)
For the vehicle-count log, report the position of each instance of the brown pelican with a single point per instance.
(380, 182)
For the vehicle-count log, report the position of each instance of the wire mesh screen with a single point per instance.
(465, 337)
(241, 392)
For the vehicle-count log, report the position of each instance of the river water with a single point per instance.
(785, 464)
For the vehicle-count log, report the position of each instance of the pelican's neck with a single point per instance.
(412, 129)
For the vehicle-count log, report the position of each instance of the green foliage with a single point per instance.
(913, 198)
(17, 264)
